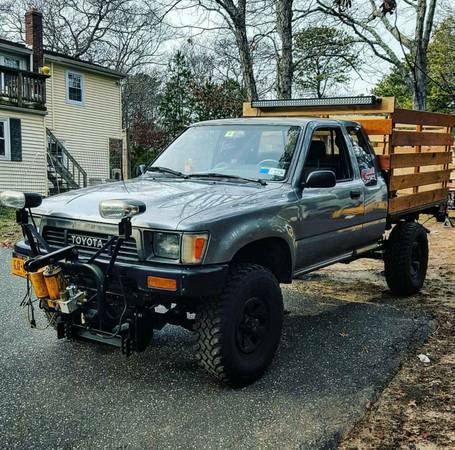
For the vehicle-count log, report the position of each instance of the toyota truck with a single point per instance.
(208, 231)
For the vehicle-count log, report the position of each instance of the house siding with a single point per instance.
(85, 129)
(30, 174)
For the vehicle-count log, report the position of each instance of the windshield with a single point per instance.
(249, 151)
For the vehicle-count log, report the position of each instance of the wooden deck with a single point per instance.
(413, 147)
(22, 89)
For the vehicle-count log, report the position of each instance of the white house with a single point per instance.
(60, 117)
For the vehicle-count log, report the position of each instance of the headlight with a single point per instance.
(193, 247)
(119, 209)
(166, 245)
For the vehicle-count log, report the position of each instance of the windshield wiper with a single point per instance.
(229, 177)
(166, 170)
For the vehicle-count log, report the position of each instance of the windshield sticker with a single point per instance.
(277, 172)
(234, 133)
(272, 171)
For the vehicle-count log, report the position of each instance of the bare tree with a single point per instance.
(123, 34)
(372, 26)
(235, 17)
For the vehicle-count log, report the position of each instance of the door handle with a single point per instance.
(355, 194)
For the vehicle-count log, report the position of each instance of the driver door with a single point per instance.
(330, 219)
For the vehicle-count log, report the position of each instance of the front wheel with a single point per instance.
(239, 332)
(406, 258)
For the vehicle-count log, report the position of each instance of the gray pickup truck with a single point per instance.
(206, 234)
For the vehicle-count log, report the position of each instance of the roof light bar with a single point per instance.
(317, 102)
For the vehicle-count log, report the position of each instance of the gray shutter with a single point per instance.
(15, 134)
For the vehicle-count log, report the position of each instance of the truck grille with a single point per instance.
(88, 243)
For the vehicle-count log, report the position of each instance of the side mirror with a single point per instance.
(140, 170)
(321, 179)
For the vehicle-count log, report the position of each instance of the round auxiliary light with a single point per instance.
(20, 200)
(119, 209)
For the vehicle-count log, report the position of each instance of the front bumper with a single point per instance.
(192, 281)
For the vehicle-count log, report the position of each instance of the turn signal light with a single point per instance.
(167, 284)
(193, 247)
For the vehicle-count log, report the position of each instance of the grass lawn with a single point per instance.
(9, 230)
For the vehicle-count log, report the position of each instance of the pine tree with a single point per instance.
(177, 103)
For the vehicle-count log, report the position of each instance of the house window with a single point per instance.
(11, 62)
(74, 88)
(16, 62)
(5, 151)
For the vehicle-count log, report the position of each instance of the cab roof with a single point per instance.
(292, 121)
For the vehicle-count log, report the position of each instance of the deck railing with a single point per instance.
(22, 89)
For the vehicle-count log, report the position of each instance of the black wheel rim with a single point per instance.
(416, 259)
(253, 325)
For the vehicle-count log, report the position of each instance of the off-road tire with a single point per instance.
(406, 258)
(220, 326)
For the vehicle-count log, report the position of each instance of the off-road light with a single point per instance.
(20, 200)
(193, 247)
(119, 209)
(317, 102)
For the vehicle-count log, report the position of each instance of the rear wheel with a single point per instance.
(406, 258)
(239, 332)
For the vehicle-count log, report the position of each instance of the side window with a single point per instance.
(328, 151)
(74, 88)
(5, 152)
(365, 159)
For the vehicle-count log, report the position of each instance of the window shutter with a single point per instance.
(15, 139)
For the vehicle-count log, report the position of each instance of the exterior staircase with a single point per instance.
(63, 171)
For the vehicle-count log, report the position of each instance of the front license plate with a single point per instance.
(17, 266)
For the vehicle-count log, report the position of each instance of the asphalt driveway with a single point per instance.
(334, 358)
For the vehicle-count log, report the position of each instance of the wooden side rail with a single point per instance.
(414, 201)
(398, 182)
(424, 118)
(414, 138)
(401, 160)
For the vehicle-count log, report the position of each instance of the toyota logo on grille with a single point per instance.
(86, 241)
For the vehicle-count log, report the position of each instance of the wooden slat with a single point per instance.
(398, 160)
(376, 126)
(418, 149)
(416, 200)
(418, 179)
(413, 138)
(409, 116)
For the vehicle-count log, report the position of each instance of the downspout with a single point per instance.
(52, 96)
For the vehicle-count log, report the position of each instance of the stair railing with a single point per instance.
(64, 165)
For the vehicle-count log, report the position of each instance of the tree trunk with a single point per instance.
(284, 63)
(420, 80)
(246, 60)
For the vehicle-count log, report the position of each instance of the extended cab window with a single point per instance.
(364, 156)
(328, 151)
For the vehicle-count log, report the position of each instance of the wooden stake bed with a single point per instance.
(413, 147)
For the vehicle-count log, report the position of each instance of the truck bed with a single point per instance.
(414, 148)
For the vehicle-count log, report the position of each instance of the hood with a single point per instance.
(168, 202)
